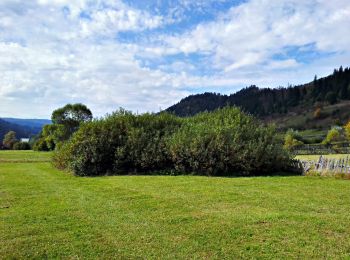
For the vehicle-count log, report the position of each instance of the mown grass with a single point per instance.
(45, 213)
(24, 156)
(314, 157)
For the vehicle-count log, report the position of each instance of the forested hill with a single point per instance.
(21, 131)
(265, 102)
(23, 127)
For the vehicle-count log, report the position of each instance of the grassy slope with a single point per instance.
(47, 213)
(303, 117)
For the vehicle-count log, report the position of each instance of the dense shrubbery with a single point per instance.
(21, 146)
(225, 142)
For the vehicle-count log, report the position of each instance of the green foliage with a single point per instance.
(292, 140)
(333, 135)
(70, 117)
(145, 146)
(92, 149)
(66, 121)
(41, 145)
(347, 130)
(21, 146)
(120, 143)
(225, 142)
(9, 140)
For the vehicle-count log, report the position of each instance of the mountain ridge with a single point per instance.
(24, 128)
(270, 103)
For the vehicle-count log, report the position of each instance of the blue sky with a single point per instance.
(145, 55)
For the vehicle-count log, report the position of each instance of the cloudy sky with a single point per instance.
(145, 55)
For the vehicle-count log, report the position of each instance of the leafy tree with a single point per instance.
(292, 140)
(333, 135)
(9, 140)
(70, 117)
(65, 121)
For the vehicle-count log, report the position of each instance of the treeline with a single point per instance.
(10, 142)
(266, 101)
(226, 142)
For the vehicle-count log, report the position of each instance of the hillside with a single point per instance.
(293, 106)
(23, 127)
(35, 123)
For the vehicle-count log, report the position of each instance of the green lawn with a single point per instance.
(45, 213)
(24, 156)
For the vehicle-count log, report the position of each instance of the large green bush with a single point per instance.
(225, 142)
(91, 150)
(145, 148)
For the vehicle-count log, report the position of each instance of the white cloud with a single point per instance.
(59, 51)
(255, 31)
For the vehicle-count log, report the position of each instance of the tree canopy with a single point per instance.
(65, 121)
(9, 140)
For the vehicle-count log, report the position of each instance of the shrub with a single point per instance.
(21, 146)
(91, 150)
(292, 140)
(333, 135)
(145, 147)
(41, 145)
(225, 142)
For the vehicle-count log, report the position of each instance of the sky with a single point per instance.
(146, 55)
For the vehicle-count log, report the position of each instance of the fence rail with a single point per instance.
(341, 148)
(325, 165)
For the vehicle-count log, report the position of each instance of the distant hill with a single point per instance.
(23, 127)
(28, 122)
(331, 94)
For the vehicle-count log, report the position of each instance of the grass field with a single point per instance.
(314, 157)
(45, 213)
(24, 156)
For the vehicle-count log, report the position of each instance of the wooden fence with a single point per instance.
(325, 165)
(320, 149)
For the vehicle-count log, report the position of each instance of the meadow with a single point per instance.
(315, 157)
(46, 213)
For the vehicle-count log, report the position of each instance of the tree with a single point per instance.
(70, 117)
(9, 140)
(333, 135)
(65, 121)
(347, 130)
(292, 140)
